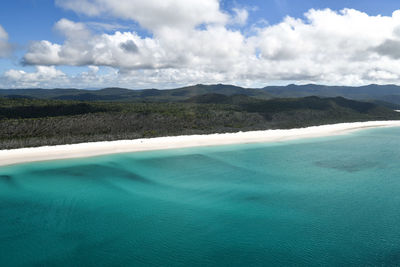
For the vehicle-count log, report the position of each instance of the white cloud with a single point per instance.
(212, 48)
(153, 14)
(347, 47)
(390, 48)
(43, 77)
(240, 16)
(95, 77)
(51, 77)
(5, 46)
(83, 48)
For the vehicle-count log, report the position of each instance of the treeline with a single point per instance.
(29, 122)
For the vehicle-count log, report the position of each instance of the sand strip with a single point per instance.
(15, 156)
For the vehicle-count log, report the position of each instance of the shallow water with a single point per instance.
(327, 201)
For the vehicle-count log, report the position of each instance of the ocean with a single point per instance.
(331, 201)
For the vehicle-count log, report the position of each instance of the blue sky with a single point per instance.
(29, 22)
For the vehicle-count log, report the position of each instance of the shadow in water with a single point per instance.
(7, 179)
(347, 166)
(93, 171)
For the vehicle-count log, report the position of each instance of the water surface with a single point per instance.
(328, 201)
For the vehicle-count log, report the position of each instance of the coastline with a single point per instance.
(83, 150)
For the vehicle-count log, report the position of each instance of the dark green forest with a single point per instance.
(29, 122)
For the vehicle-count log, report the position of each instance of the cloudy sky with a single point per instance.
(170, 43)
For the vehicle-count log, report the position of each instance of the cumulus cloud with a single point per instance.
(95, 77)
(130, 46)
(5, 46)
(51, 77)
(153, 14)
(43, 77)
(346, 47)
(83, 48)
(390, 48)
(212, 48)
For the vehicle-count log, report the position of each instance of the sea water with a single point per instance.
(326, 201)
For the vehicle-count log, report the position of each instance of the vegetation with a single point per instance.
(388, 95)
(27, 122)
(125, 95)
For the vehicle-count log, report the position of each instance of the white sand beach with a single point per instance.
(15, 156)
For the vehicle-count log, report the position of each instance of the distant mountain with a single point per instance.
(121, 94)
(333, 104)
(387, 95)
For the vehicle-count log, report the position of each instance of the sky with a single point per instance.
(170, 43)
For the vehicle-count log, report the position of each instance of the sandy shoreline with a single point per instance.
(23, 155)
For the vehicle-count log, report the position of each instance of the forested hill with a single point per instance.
(387, 93)
(126, 95)
(382, 94)
(36, 122)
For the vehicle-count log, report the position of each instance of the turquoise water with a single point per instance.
(327, 201)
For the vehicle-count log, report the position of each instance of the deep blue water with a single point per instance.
(328, 201)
